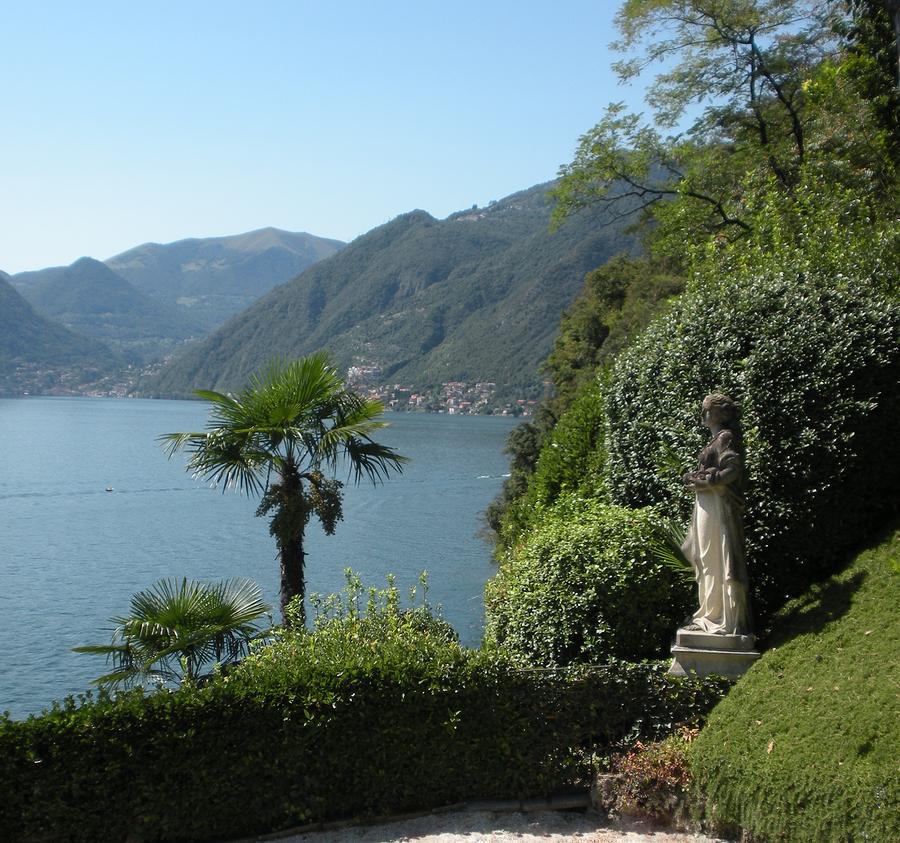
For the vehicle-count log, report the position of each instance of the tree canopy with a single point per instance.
(773, 97)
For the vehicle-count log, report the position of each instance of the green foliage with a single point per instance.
(747, 61)
(177, 627)
(871, 61)
(805, 746)
(523, 445)
(624, 166)
(780, 99)
(275, 437)
(797, 326)
(378, 710)
(616, 302)
(571, 460)
(585, 586)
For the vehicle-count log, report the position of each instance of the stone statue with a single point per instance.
(715, 540)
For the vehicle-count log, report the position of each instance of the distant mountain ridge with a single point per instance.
(423, 301)
(91, 299)
(37, 354)
(212, 278)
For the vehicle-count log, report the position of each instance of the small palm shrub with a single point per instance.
(178, 627)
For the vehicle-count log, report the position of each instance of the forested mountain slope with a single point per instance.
(476, 296)
(90, 298)
(37, 354)
(213, 278)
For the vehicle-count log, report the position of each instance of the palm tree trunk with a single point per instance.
(287, 526)
(292, 559)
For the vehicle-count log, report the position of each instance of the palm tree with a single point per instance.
(274, 438)
(176, 627)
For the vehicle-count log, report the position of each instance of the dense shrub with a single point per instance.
(652, 780)
(367, 715)
(804, 748)
(571, 460)
(584, 585)
(800, 327)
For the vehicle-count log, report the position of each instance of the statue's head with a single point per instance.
(728, 410)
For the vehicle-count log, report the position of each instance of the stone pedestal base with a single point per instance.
(704, 653)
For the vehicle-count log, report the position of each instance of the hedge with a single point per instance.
(584, 585)
(328, 725)
(814, 359)
(571, 460)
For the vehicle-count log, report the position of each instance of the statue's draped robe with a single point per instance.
(715, 543)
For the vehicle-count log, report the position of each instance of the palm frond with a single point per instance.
(666, 549)
(182, 619)
(354, 419)
(174, 442)
(372, 460)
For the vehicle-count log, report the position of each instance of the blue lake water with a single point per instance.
(72, 554)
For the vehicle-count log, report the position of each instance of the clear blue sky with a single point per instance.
(122, 123)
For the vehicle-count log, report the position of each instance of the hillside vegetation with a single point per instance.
(780, 214)
(477, 296)
(804, 748)
(38, 355)
(90, 298)
(790, 305)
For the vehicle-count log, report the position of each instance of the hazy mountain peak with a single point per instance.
(215, 277)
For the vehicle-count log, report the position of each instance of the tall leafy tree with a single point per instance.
(277, 438)
(873, 59)
(743, 67)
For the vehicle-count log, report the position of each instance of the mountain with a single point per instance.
(421, 301)
(215, 277)
(39, 355)
(90, 298)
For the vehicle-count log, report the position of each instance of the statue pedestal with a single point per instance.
(703, 653)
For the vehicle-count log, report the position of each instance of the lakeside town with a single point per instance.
(452, 397)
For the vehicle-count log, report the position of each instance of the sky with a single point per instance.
(125, 123)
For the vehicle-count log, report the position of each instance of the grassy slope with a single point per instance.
(806, 746)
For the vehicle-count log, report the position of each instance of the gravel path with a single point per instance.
(501, 827)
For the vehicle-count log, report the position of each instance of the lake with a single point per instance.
(73, 553)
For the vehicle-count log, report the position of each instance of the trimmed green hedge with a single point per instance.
(801, 324)
(804, 748)
(354, 719)
(584, 586)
